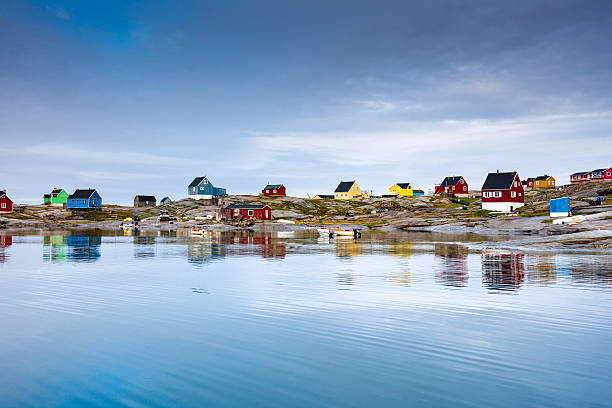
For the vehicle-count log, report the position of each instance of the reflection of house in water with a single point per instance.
(403, 276)
(453, 270)
(541, 269)
(215, 244)
(54, 248)
(347, 247)
(83, 248)
(593, 270)
(144, 247)
(5, 242)
(502, 270)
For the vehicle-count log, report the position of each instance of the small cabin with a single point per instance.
(59, 196)
(84, 199)
(46, 198)
(202, 189)
(6, 204)
(165, 200)
(401, 189)
(145, 201)
(246, 212)
(544, 181)
(348, 190)
(452, 186)
(560, 207)
(418, 192)
(274, 190)
(323, 197)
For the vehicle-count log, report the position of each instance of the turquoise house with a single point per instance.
(201, 188)
(84, 199)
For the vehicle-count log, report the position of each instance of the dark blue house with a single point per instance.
(82, 199)
(201, 188)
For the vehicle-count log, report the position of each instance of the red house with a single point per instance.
(528, 183)
(608, 174)
(580, 177)
(502, 192)
(246, 212)
(6, 204)
(274, 190)
(452, 186)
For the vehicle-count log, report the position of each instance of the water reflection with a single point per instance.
(5, 242)
(144, 246)
(214, 244)
(454, 269)
(83, 248)
(502, 271)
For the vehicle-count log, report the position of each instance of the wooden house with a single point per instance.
(597, 174)
(145, 201)
(544, 181)
(528, 184)
(46, 198)
(580, 177)
(348, 190)
(502, 192)
(274, 190)
(246, 212)
(323, 197)
(201, 188)
(452, 186)
(59, 196)
(84, 199)
(165, 200)
(6, 204)
(608, 174)
(401, 189)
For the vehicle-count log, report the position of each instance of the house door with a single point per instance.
(511, 208)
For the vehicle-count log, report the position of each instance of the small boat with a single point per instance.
(197, 231)
(339, 232)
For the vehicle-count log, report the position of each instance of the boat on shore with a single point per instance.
(339, 232)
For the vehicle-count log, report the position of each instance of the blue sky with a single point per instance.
(139, 97)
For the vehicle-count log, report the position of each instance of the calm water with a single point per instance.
(290, 320)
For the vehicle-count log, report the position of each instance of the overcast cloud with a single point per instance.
(140, 97)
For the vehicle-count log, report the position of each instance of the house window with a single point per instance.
(3, 205)
(464, 188)
(274, 191)
(608, 173)
(236, 211)
(250, 213)
(201, 188)
(498, 194)
(513, 194)
(84, 201)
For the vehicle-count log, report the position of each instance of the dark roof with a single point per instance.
(247, 206)
(46, 195)
(56, 191)
(325, 195)
(81, 194)
(3, 195)
(544, 177)
(418, 191)
(344, 186)
(272, 186)
(580, 173)
(450, 181)
(499, 181)
(145, 198)
(403, 185)
(196, 181)
(165, 200)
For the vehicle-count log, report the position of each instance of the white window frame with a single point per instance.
(497, 194)
(250, 213)
(3, 205)
(513, 194)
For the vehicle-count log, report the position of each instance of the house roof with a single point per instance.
(82, 194)
(598, 171)
(56, 191)
(272, 186)
(3, 195)
(247, 206)
(499, 181)
(544, 177)
(418, 191)
(196, 181)
(450, 181)
(344, 186)
(325, 195)
(403, 186)
(46, 195)
(165, 200)
(145, 198)
(580, 173)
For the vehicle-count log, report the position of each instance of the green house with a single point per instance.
(46, 198)
(59, 196)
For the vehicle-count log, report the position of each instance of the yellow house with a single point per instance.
(348, 190)
(401, 189)
(544, 181)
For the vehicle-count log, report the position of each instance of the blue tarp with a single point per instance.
(560, 205)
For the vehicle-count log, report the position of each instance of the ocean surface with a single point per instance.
(294, 320)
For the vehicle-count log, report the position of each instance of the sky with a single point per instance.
(140, 97)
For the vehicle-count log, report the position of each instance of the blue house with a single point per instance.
(83, 199)
(201, 188)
